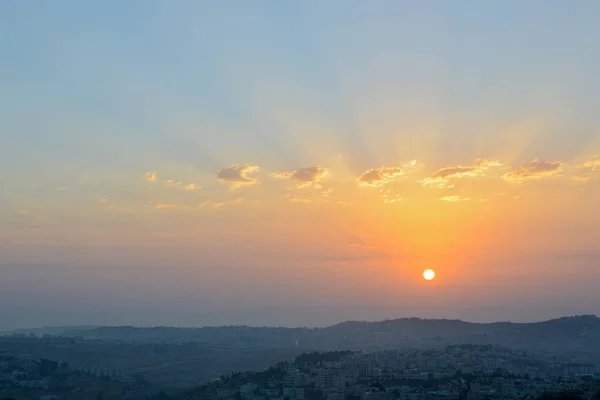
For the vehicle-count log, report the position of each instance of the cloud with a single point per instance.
(189, 186)
(536, 169)
(379, 176)
(304, 176)
(219, 204)
(327, 192)
(237, 175)
(150, 176)
(316, 194)
(161, 205)
(590, 169)
(299, 198)
(357, 244)
(213, 204)
(412, 164)
(391, 198)
(295, 199)
(440, 177)
(450, 198)
(113, 207)
(594, 163)
(583, 178)
(454, 199)
(383, 175)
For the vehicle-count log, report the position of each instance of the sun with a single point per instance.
(428, 274)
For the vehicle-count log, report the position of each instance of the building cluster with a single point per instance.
(22, 371)
(457, 372)
(24, 374)
(102, 371)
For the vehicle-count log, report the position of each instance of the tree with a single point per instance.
(47, 367)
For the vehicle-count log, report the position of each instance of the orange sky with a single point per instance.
(290, 164)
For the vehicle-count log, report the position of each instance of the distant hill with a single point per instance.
(566, 333)
(52, 330)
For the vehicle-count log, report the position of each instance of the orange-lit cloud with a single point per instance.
(318, 193)
(304, 176)
(296, 199)
(237, 175)
(440, 177)
(384, 250)
(150, 176)
(327, 192)
(593, 164)
(113, 207)
(536, 169)
(213, 204)
(589, 170)
(189, 186)
(454, 198)
(219, 204)
(379, 176)
(383, 175)
(391, 198)
(161, 205)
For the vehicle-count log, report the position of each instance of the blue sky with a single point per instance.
(97, 95)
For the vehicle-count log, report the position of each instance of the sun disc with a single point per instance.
(428, 274)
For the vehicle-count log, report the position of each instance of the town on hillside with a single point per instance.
(458, 372)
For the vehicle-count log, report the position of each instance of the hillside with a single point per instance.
(184, 356)
(567, 333)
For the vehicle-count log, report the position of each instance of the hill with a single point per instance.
(566, 333)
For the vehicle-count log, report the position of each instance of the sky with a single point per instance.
(298, 163)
